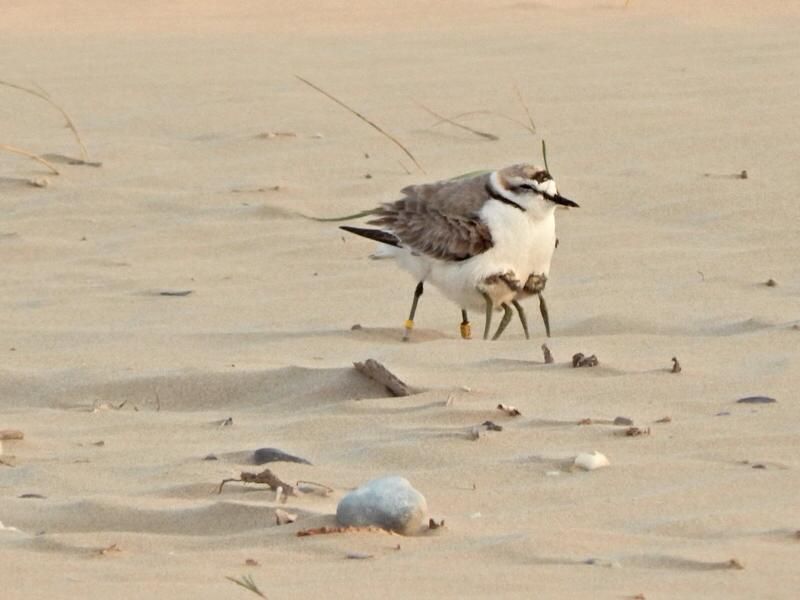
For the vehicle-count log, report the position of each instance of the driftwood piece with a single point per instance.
(11, 434)
(377, 372)
(266, 477)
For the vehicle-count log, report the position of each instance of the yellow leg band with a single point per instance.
(409, 324)
(466, 331)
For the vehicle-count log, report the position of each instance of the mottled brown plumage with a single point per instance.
(441, 219)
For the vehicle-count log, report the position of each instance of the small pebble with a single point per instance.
(623, 421)
(267, 455)
(548, 356)
(756, 400)
(579, 360)
(771, 283)
(210, 457)
(589, 461)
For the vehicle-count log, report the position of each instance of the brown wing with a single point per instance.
(440, 219)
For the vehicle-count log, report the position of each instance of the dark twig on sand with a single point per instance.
(266, 477)
(365, 119)
(377, 372)
(345, 529)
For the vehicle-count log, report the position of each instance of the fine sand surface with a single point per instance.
(648, 111)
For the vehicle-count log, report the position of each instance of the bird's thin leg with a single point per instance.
(545, 315)
(466, 329)
(507, 314)
(409, 325)
(522, 318)
(489, 308)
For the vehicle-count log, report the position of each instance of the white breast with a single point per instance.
(522, 245)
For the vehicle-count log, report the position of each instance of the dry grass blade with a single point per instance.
(483, 112)
(358, 215)
(246, 581)
(363, 118)
(544, 156)
(44, 96)
(30, 155)
(532, 127)
(442, 119)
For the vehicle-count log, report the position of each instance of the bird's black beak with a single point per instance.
(558, 199)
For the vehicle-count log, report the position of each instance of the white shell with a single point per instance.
(591, 460)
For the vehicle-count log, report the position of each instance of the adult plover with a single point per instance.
(484, 241)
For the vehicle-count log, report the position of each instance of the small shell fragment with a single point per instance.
(282, 517)
(590, 461)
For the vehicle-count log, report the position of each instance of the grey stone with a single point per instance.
(267, 455)
(756, 400)
(388, 502)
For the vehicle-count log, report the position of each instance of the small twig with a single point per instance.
(377, 372)
(266, 477)
(246, 581)
(483, 134)
(365, 119)
(46, 97)
(350, 529)
(30, 155)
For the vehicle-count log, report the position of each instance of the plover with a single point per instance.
(484, 241)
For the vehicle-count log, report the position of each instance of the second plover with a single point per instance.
(484, 241)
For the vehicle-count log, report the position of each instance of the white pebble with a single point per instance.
(591, 460)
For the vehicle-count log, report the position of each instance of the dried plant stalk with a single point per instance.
(44, 96)
(532, 127)
(365, 119)
(442, 119)
(31, 155)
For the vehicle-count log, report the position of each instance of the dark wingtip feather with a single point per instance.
(384, 237)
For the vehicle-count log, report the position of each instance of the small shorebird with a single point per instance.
(484, 241)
